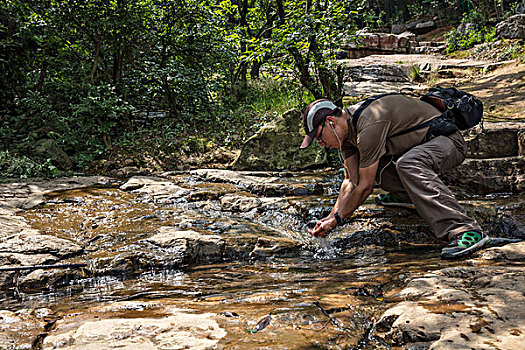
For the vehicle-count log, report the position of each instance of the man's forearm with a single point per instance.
(349, 201)
(346, 188)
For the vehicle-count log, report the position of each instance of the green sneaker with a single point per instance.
(388, 200)
(464, 244)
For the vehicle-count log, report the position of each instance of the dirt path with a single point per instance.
(502, 91)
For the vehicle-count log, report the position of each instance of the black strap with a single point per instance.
(368, 101)
(414, 128)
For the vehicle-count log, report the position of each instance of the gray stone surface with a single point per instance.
(483, 176)
(479, 307)
(498, 140)
(141, 326)
(512, 28)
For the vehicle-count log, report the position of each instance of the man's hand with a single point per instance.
(323, 227)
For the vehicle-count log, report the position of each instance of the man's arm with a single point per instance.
(350, 197)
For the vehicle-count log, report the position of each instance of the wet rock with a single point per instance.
(270, 247)
(10, 223)
(26, 194)
(514, 252)
(512, 28)
(185, 247)
(49, 279)
(32, 242)
(506, 221)
(521, 143)
(26, 259)
(474, 307)
(484, 176)
(158, 188)
(261, 183)
(211, 191)
(385, 237)
(276, 146)
(127, 171)
(18, 330)
(238, 203)
(135, 326)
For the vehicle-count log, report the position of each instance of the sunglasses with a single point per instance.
(320, 137)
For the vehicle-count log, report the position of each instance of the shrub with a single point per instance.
(23, 167)
(457, 40)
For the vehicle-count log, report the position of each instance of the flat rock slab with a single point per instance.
(479, 307)
(496, 141)
(18, 330)
(436, 61)
(131, 325)
(158, 188)
(26, 194)
(483, 176)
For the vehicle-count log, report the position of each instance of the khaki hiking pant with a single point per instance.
(413, 177)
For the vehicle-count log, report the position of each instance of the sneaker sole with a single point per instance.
(467, 251)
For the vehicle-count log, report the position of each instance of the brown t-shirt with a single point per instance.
(384, 117)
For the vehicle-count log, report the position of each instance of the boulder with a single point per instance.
(498, 140)
(236, 203)
(18, 330)
(276, 147)
(398, 28)
(186, 247)
(30, 241)
(48, 148)
(424, 27)
(512, 28)
(159, 189)
(460, 307)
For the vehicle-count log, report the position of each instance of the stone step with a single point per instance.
(432, 43)
(505, 139)
(483, 176)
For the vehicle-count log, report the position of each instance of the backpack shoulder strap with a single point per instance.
(414, 128)
(366, 103)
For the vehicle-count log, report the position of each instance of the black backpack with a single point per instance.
(460, 107)
(465, 109)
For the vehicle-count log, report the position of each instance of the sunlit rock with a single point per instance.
(233, 202)
(135, 326)
(461, 305)
(512, 28)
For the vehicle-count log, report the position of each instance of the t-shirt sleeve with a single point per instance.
(348, 150)
(371, 142)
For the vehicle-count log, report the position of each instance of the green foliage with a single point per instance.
(512, 51)
(415, 73)
(303, 41)
(23, 167)
(457, 40)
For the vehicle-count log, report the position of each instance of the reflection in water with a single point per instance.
(313, 297)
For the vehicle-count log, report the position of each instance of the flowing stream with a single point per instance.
(321, 293)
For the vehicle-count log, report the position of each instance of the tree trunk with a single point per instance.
(95, 61)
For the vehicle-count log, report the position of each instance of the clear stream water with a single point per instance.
(294, 290)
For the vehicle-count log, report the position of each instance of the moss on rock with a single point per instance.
(276, 147)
